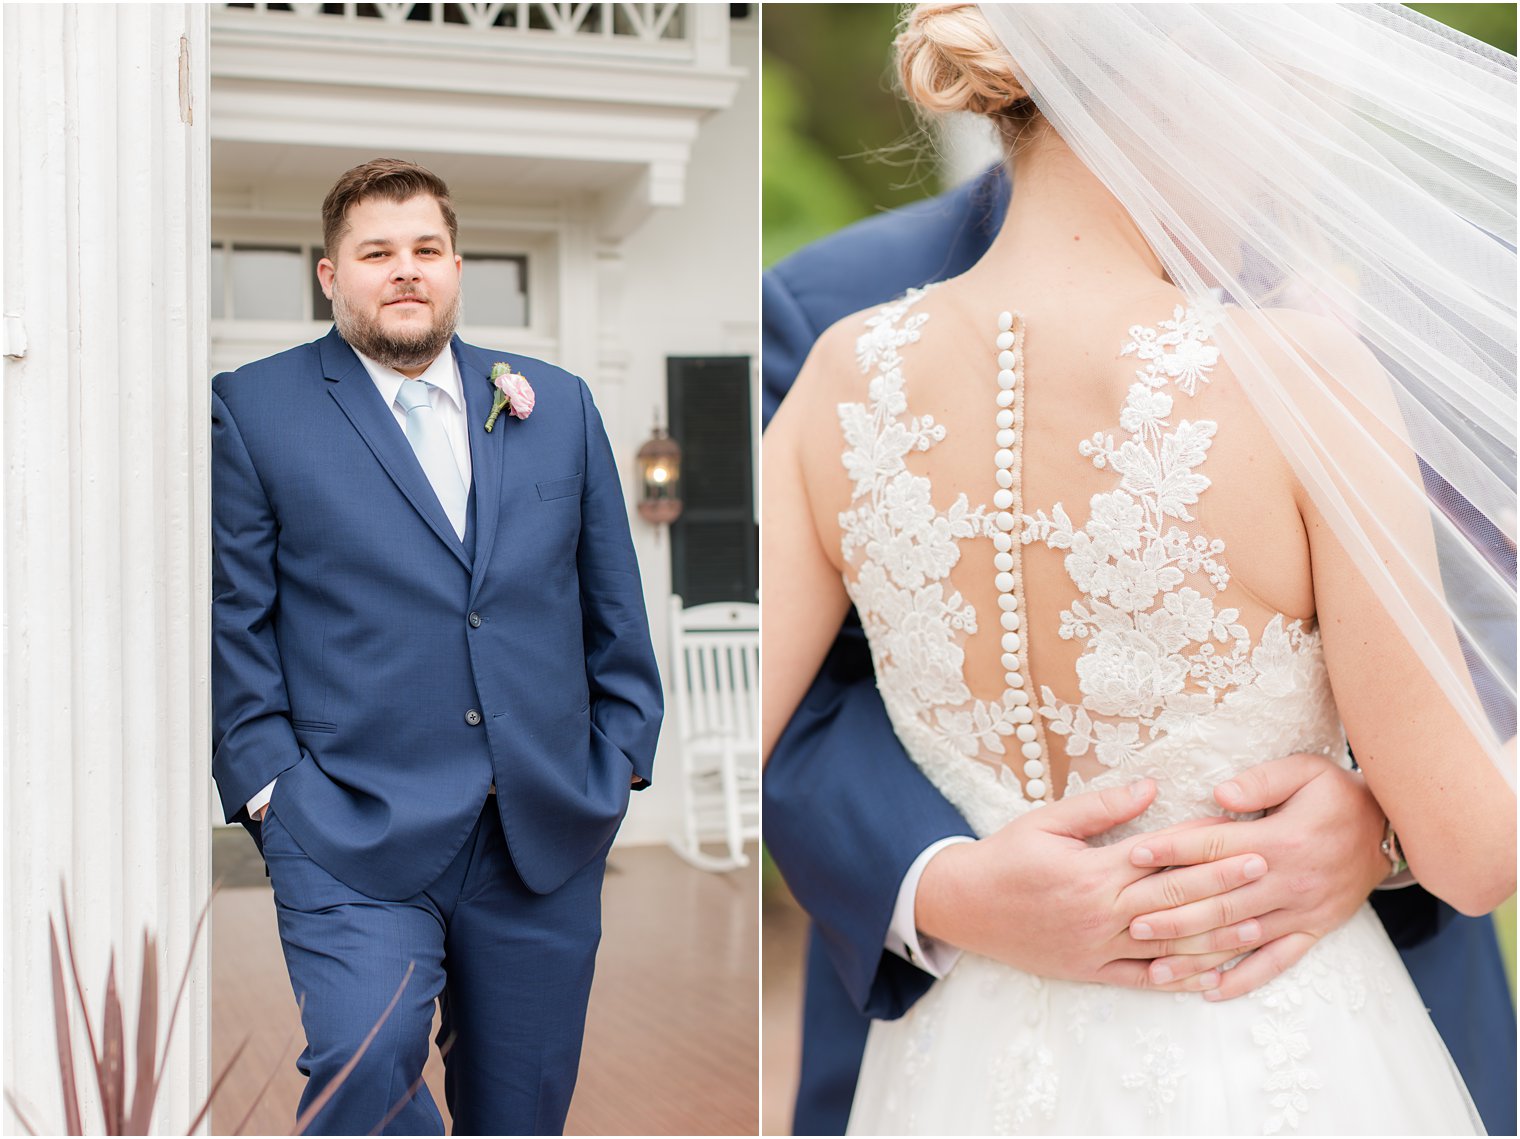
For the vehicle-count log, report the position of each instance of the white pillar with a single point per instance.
(709, 34)
(105, 567)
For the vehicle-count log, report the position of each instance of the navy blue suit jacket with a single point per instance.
(846, 811)
(389, 673)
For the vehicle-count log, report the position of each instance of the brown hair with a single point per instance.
(948, 59)
(393, 179)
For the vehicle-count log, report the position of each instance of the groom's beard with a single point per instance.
(413, 348)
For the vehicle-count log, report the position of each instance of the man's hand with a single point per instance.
(1037, 896)
(1321, 837)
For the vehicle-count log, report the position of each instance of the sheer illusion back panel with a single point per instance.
(1148, 519)
(1158, 537)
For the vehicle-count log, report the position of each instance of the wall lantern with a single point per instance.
(659, 462)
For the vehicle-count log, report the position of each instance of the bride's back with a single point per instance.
(1153, 540)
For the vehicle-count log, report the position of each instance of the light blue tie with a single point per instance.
(428, 439)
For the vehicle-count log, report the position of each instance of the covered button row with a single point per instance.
(1013, 642)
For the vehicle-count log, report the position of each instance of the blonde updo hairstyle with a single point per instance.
(948, 59)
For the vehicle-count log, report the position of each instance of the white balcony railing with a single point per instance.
(647, 24)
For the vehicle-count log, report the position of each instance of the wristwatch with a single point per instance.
(1397, 864)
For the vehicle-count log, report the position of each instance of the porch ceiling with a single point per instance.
(271, 172)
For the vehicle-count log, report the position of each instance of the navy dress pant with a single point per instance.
(511, 968)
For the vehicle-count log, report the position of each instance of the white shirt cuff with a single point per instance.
(934, 957)
(261, 799)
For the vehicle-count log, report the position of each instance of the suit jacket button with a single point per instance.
(472, 717)
(474, 620)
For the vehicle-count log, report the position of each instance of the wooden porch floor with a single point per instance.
(671, 1036)
(785, 941)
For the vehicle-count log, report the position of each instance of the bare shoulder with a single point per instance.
(1314, 362)
(1290, 339)
(832, 371)
(1342, 396)
(836, 373)
(806, 439)
(1165, 338)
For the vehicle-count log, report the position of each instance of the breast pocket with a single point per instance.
(561, 488)
(313, 726)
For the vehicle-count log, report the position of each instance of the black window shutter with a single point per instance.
(714, 544)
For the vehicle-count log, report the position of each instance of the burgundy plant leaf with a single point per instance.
(111, 1067)
(336, 1082)
(184, 977)
(398, 1105)
(65, 1041)
(274, 1069)
(109, 1057)
(410, 1092)
(84, 1007)
(145, 1078)
(216, 1086)
(21, 1115)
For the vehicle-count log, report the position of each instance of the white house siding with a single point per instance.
(698, 296)
(105, 561)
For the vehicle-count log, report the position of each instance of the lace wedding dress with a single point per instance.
(1151, 665)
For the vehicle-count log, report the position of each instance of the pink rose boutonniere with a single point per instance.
(513, 394)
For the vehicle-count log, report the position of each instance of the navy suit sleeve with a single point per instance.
(1412, 915)
(846, 811)
(787, 337)
(251, 735)
(624, 683)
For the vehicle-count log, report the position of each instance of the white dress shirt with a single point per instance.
(447, 398)
(933, 957)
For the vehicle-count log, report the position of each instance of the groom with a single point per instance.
(433, 684)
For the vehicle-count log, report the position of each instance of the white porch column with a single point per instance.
(105, 565)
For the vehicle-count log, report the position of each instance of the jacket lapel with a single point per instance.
(349, 384)
(485, 451)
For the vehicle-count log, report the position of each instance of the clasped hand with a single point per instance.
(1165, 909)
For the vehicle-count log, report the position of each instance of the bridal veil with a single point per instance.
(1340, 180)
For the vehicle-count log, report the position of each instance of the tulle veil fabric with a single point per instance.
(1339, 179)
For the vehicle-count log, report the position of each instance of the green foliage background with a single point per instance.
(839, 144)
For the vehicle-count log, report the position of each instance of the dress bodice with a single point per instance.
(1171, 681)
(1133, 651)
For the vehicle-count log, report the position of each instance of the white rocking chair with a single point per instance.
(715, 690)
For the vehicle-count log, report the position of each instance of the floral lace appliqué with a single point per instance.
(1159, 652)
(1285, 1045)
(1340, 972)
(1161, 1071)
(904, 550)
(1025, 1086)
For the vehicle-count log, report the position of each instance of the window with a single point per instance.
(495, 290)
(278, 282)
(264, 281)
(261, 282)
